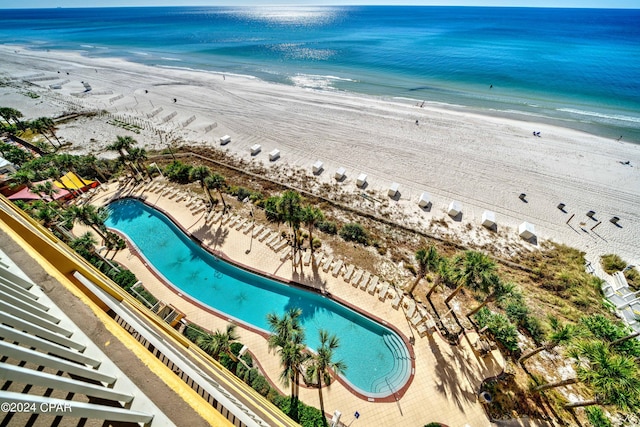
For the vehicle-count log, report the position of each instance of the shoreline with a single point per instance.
(483, 161)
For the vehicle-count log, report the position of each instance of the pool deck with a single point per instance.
(446, 378)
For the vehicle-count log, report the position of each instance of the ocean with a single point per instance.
(578, 68)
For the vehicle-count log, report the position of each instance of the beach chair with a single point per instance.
(428, 325)
(396, 298)
(265, 233)
(273, 239)
(317, 259)
(327, 263)
(364, 281)
(373, 284)
(307, 258)
(257, 231)
(356, 278)
(285, 255)
(410, 306)
(241, 224)
(337, 267)
(382, 293)
(247, 228)
(280, 246)
(348, 273)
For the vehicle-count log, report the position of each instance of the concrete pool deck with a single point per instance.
(447, 378)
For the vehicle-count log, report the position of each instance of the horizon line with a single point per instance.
(320, 5)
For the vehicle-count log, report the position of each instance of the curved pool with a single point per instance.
(378, 361)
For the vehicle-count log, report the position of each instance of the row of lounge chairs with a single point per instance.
(626, 302)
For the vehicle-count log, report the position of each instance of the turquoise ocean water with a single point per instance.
(576, 67)
(378, 363)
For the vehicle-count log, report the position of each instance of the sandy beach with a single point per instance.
(483, 162)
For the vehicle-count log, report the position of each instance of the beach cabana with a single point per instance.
(72, 181)
(224, 140)
(362, 180)
(455, 209)
(425, 200)
(340, 174)
(255, 149)
(274, 155)
(527, 231)
(489, 219)
(27, 195)
(317, 167)
(393, 189)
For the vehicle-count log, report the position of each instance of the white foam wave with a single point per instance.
(139, 53)
(619, 117)
(166, 58)
(196, 70)
(313, 81)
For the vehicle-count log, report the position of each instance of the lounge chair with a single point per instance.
(285, 255)
(373, 284)
(409, 305)
(396, 298)
(337, 267)
(356, 278)
(273, 239)
(280, 246)
(327, 263)
(241, 224)
(382, 293)
(265, 233)
(306, 260)
(257, 230)
(248, 226)
(348, 273)
(318, 258)
(365, 280)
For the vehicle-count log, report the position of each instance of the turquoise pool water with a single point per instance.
(378, 361)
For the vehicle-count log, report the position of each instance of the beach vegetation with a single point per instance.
(473, 270)
(500, 328)
(219, 342)
(354, 232)
(612, 263)
(560, 334)
(597, 417)
(178, 172)
(328, 227)
(613, 378)
(311, 215)
(427, 260)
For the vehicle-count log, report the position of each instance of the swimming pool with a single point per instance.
(378, 362)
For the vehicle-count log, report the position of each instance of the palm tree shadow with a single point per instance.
(448, 377)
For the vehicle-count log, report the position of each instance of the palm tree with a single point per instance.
(85, 243)
(91, 216)
(290, 209)
(47, 189)
(39, 126)
(319, 370)
(138, 155)
(122, 145)
(216, 182)
(310, 216)
(561, 333)
(498, 289)
(428, 260)
(474, 271)
(444, 274)
(288, 338)
(8, 113)
(200, 173)
(23, 176)
(46, 213)
(616, 333)
(271, 210)
(219, 342)
(614, 379)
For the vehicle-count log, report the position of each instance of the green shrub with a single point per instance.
(498, 325)
(178, 172)
(316, 243)
(261, 385)
(125, 279)
(193, 331)
(612, 263)
(328, 227)
(597, 417)
(354, 232)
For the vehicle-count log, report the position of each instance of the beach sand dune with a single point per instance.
(484, 162)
